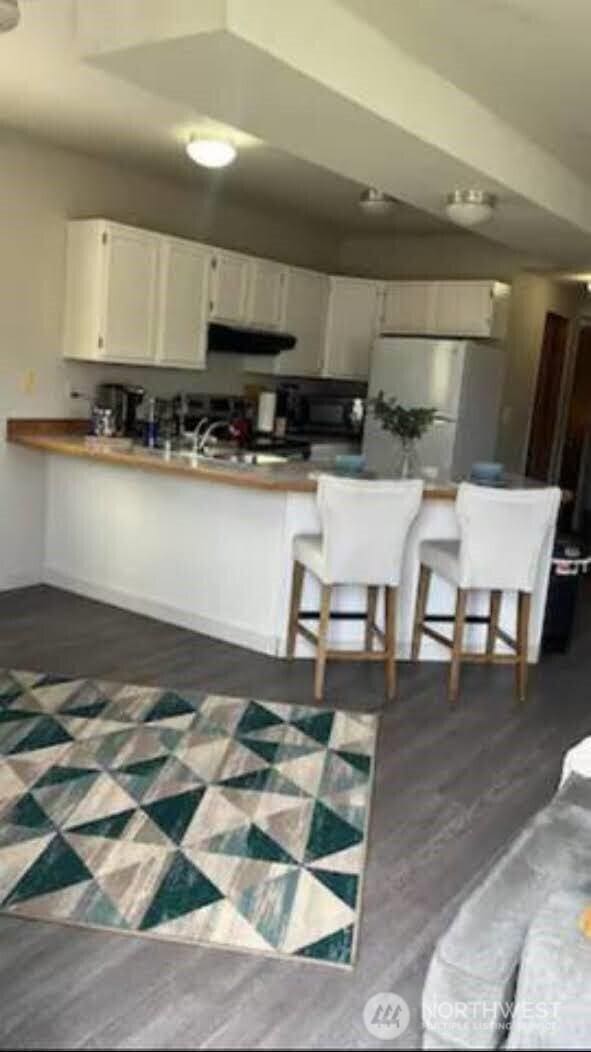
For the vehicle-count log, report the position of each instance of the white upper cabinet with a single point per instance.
(135, 297)
(265, 307)
(472, 308)
(230, 273)
(184, 303)
(111, 292)
(446, 308)
(409, 307)
(304, 316)
(353, 322)
(129, 313)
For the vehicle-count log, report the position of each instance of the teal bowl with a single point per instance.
(349, 463)
(486, 471)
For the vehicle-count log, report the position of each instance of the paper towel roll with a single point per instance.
(266, 412)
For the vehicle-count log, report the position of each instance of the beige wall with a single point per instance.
(533, 296)
(40, 188)
(430, 256)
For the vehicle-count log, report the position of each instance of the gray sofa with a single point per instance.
(511, 969)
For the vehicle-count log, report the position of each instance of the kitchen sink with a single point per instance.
(242, 457)
(233, 457)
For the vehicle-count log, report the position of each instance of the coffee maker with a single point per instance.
(123, 400)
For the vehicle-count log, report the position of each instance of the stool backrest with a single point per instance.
(502, 534)
(364, 527)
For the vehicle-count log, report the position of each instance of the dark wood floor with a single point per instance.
(451, 790)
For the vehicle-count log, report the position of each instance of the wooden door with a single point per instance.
(547, 398)
(574, 468)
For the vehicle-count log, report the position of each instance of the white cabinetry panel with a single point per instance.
(266, 299)
(184, 295)
(229, 287)
(352, 325)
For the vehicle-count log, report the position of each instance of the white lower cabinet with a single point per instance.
(353, 322)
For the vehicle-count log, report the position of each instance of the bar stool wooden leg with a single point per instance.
(523, 613)
(493, 624)
(390, 642)
(420, 610)
(370, 618)
(456, 650)
(322, 641)
(297, 582)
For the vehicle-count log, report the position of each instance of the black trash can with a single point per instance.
(569, 561)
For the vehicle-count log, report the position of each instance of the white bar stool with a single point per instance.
(502, 534)
(364, 529)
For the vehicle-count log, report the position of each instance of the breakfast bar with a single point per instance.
(207, 544)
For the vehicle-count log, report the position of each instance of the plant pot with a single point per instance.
(407, 464)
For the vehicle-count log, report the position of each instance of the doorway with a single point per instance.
(545, 416)
(575, 468)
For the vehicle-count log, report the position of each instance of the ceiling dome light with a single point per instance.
(375, 202)
(211, 153)
(9, 15)
(470, 207)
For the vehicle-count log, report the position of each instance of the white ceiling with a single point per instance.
(46, 90)
(526, 60)
(434, 94)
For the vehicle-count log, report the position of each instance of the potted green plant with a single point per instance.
(406, 426)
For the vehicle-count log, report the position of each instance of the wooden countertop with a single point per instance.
(67, 438)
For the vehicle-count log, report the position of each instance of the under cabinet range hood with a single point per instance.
(234, 340)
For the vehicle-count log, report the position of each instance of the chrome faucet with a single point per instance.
(194, 437)
(209, 434)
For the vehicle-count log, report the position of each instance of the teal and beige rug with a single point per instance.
(189, 817)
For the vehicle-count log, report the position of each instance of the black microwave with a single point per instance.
(327, 415)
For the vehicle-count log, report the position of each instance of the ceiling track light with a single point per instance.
(211, 153)
(470, 207)
(376, 202)
(9, 15)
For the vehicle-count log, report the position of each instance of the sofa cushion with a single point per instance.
(553, 999)
(471, 979)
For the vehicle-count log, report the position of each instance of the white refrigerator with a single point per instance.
(461, 379)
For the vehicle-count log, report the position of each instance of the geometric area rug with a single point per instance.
(189, 816)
